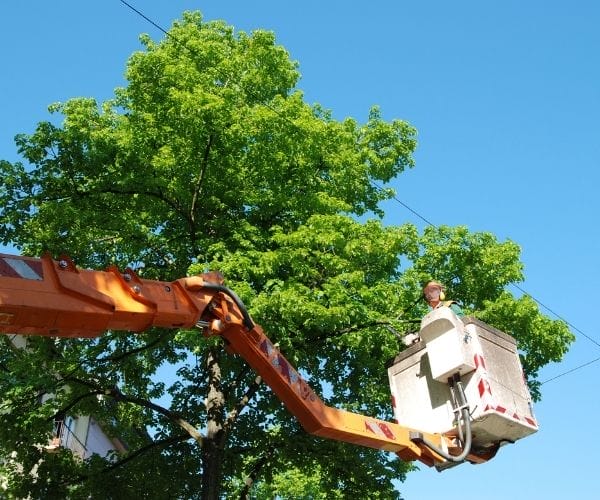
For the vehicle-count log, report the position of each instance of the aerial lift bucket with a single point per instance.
(486, 361)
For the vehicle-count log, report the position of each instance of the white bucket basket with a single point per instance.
(491, 373)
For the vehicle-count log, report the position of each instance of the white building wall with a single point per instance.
(98, 442)
(84, 436)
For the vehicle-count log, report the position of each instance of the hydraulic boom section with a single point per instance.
(55, 298)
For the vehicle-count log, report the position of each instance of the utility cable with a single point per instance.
(570, 371)
(396, 199)
(141, 14)
(556, 314)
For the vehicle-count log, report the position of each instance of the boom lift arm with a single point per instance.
(55, 298)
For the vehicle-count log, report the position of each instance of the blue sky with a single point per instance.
(506, 99)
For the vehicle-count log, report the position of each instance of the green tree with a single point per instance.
(209, 158)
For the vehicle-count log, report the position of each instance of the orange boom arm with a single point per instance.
(55, 298)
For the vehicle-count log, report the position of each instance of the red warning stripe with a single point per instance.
(380, 429)
(6, 270)
(386, 430)
(479, 361)
(514, 416)
(15, 267)
(481, 388)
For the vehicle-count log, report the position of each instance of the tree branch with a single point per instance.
(131, 456)
(73, 403)
(350, 329)
(137, 350)
(253, 474)
(236, 381)
(117, 395)
(174, 417)
(128, 192)
(154, 444)
(234, 413)
(198, 185)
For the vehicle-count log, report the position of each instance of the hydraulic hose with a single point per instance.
(248, 323)
(465, 416)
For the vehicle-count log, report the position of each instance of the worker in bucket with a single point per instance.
(433, 292)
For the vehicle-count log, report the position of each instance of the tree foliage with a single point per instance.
(209, 158)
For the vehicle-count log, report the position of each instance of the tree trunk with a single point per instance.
(212, 449)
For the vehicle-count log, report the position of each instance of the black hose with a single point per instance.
(466, 418)
(248, 323)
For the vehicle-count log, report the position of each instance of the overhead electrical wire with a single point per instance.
(396, 199)
(141, 14)
(403, 204)
(557, 315)
(570, 371)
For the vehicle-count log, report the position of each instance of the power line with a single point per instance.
(395, 198)
(141, 14)
(570, 371)
(557, 315)
(573, 327)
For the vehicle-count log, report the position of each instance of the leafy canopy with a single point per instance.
(209, 158)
